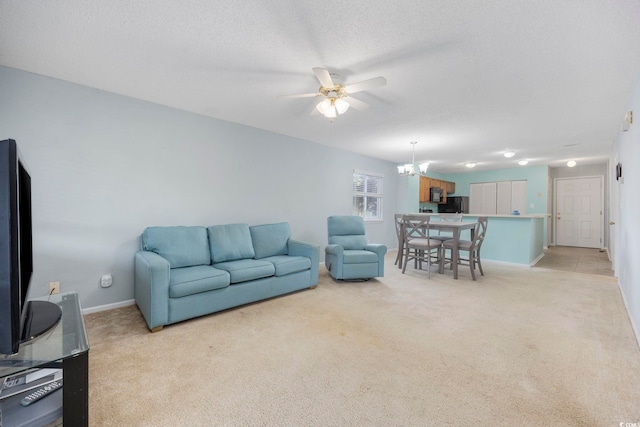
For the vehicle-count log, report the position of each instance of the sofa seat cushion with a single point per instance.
(230, 242)
(285, 264)
(359, 257)
(244, 270)
(181, 246)
(192, 280)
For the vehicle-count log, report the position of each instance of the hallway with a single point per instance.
(580, 260)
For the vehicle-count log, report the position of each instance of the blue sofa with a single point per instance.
(185, 272)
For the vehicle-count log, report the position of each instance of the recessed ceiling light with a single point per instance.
(523, 162)
(509, 154)
(571, 163)
(470, 165)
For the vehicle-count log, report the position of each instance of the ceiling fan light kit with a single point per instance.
(337, 98)
(331, 107)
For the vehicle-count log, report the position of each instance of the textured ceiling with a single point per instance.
(466, 79)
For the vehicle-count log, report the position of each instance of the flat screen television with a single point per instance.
(20, 320)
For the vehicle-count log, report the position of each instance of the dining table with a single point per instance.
(456, 229)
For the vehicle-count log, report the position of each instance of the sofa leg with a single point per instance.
(157, 329)
(313, 287)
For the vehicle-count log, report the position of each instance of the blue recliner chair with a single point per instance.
(348, 256)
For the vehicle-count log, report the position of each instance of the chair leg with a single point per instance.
(472, 267)
(479, 263)
(406, 260)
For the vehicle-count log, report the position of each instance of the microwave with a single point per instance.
(436, 195)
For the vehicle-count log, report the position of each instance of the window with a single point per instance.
(367, 195)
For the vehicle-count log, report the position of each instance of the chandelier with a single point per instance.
(409, 168)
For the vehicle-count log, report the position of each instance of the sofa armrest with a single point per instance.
(334, 255)
(377, 248)
(151, 290)
(380, 250)
(309, 250)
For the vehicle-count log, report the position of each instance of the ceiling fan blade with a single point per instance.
(324, 77)
(356, 103)
(365, 84)
(301, 95)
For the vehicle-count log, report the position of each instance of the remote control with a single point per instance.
(41, 392)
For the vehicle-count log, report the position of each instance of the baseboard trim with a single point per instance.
(507, 263)
(535, 261)
(626, 307)
(108, 306)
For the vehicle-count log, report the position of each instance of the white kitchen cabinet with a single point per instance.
(519, 196)
(501, 198)
(482, 198)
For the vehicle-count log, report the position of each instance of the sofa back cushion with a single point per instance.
(347, 231)
(181, 246)
(230, 242)
(270, 239)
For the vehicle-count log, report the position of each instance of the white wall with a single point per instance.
(627, 228)
(105, 166)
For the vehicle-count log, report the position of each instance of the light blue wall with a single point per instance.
(537, 178)
(512, 239)
(105, 166)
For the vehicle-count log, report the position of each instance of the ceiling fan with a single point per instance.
(337, 98)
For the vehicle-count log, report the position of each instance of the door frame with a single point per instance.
(614, 210)
(555, 205)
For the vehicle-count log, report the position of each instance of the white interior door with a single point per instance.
(579, 212)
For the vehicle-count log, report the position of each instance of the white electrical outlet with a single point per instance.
(106, 281)
(54, 288)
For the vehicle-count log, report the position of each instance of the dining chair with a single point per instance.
(447, 217)
(472, 246)
(398, 222)
(417, 243)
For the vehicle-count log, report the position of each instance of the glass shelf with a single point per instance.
(67, 339)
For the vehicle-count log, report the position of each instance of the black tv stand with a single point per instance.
(40, 316)
(63, 346)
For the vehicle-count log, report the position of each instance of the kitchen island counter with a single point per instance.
(516, 239)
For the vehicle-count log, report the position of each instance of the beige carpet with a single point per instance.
(519, 347)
